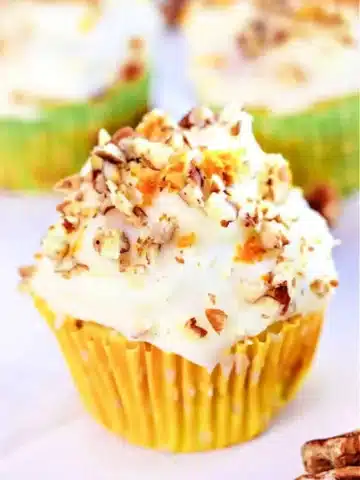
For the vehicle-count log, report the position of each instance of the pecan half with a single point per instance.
(334, 452)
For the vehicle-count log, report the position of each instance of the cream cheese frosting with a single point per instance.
(187, 236)
(67, 51)
(265, 59)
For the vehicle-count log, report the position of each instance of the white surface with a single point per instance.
(44, 432)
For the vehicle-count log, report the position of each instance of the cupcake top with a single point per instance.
(282, 55)
(185, 235)
(68, 51)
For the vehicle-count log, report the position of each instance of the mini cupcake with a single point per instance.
(186, 281)
(67, 69)
(294, 66)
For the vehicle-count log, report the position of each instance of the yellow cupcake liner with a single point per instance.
(163, 401)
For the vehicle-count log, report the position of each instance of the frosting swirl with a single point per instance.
(187, 236)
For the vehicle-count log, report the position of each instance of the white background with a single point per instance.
(44, 432)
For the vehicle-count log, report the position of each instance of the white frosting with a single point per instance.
(49, 54)
(331, 69)
(155, 305)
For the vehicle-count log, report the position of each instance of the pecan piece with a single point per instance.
(68, 184)
(334, 452)
(280, 293)
(217, 318)
(195, 328)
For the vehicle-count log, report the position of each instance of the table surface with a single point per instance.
(46, 435)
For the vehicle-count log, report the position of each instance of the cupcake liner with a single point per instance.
(35, 153)
(321, 143)
(160, 400)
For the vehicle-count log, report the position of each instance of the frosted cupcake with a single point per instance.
(294, 66)
(186, 281)
(68, 69)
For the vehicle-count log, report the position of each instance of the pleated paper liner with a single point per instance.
(321, 143)
(162, 401)
(35, 153)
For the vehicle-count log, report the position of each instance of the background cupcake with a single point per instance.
(294, 65)
(186, 281)
(67, 69)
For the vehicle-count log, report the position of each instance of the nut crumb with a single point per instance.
(217, 318)
(195, 328)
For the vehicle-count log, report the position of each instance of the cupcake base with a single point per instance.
(162, 401)
(321, 143)
(35, 153)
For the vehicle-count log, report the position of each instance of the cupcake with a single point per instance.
(68, 69)
(186, 281)
(294, 66)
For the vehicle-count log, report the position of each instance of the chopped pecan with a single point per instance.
(199, 117)
(212, 298)
(217, 318)
(334, 452)
(195, 328)
(71, 223)
(68, 184)
(27, 271)
(111, 243)
(110, 152)
(280, 293)
(320, 288)
(103, 137)
(121, 133)
(163, 231)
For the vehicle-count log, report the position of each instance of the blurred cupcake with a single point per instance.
(294, 66)
(67, 68)
(186, 281)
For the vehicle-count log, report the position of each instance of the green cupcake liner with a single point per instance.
(35, 153)
(321, 143)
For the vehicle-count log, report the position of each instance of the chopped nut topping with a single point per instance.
(100, 183)
(68, 267)
(217, 318)
(180, 260)
(320, 288)
(186, 241)
(195, 328)
(163, 231)
(212, 298)
(111, 243)
(68, 184)
(123, 132)
(71, 223)
(280, 293)
(110, 152)
(55, 244)
(336, 452)
(272, 236)
(261, 34)
(199, 117)
(104, 137)
(27, 272)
